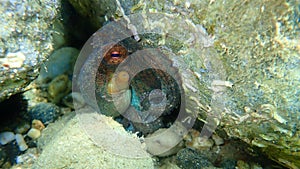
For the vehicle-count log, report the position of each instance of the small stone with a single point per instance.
(217, 139)
(13, 60)
(21, 142)
(34, 133)
(58, 88)
(242, 164)
(28, 158)
(191, 159)
(46, 112)
(22, 128)
(193, 140)
(61, 61)
(6, 137)
(163, 142)
(37, 124)
(228, 164)
(204, 142)
(74, 100)
(65, 110)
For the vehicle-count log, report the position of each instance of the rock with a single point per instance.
(59, 34)
(13, 60)
(256, 65)
(243, 164)
(168, 163)
(191, 159)
(217, 139)
(163, 142)
(22, 128)
(52, 130)
(61, 61)
(228, 164)
(28, 158)
(71, 147)
(37, 124)
(45, 112)
(6, 137)
(25, 42)
(194, 141)
(74, 98)
(260, 109)
(58, 88)
(156, 79)
(34, 133)
(21, 142)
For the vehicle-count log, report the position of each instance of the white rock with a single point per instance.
(6, 137)
(21, 142)
(13, 60)
(165, 142)
(29, 157)
(19, 159)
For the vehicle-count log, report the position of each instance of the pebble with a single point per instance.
(13, 60)
(22, 128)
(242, 164)
(74, 98)
(27, 158)
(58, 88)
(34, 133)
(6, 137)
(193, 140)
(228, 164)
(163, 142)
(37, 124)
(191, 159)
(45, 112)
(217, 139)
(21, 142)
(61, 61)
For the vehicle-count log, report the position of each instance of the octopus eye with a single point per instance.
(115, 54)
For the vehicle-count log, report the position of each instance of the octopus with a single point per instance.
(145, 97)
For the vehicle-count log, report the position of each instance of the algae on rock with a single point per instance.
(25, 29)
(257, 43)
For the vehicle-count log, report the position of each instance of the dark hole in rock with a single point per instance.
(12, 112)
(78, 28)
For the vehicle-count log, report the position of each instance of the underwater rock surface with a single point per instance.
(190, 159)
(25, 31)
(259, 49)
(257, 43)
(45, 112)
(61, 61)
(155, 76)
(72, 148)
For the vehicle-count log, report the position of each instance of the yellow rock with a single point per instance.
(37, 124)
(34, 133)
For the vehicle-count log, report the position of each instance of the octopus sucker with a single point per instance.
(118, 82)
